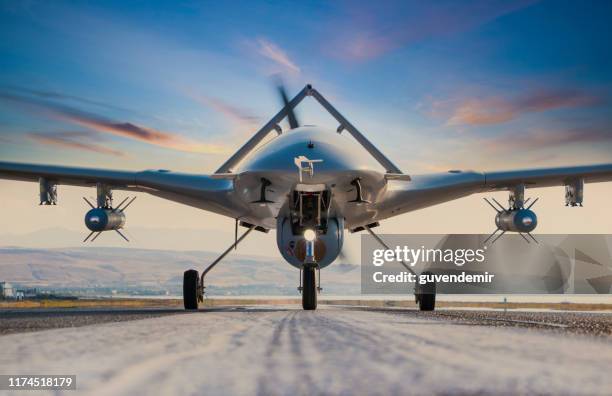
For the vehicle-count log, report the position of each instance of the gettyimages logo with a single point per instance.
(461, 264)
(412, 257)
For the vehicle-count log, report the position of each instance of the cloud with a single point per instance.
(233, 113)
(372, 29)
(496, 110)
(538, 139)
(105, 125)
(545, 100)
(481, 112)
(63, 96)
(73, 140)
(272, 52)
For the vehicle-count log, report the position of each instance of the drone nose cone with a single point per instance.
(525, 220)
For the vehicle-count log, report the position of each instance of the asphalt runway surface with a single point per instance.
(270, 350)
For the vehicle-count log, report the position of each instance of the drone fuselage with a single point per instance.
(340, 161)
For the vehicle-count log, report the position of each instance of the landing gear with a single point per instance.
(309, 270)
(190, 289)
(425, 295)
(193, 284)
(309, 288)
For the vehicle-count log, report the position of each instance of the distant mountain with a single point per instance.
(181, 239)
(140, 237)
(132, 270)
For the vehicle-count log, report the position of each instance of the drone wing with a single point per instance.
(202, 191)
(432, 189)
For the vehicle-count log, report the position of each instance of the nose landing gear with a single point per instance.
(309, 288)
(308, 274)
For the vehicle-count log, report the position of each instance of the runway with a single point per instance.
(272, 350)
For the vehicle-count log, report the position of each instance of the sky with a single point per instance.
(181, 85)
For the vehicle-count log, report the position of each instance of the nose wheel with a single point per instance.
(309, 288)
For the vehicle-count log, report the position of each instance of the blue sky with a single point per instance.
(436, 85)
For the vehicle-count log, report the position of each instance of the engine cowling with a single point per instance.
(100, 219)
(519, 220)
(327, 246)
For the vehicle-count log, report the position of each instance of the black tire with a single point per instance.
(427, 295)
(427, 302)
(309, 289)
(190, 289)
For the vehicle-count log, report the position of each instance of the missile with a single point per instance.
(521, 220)
(100, 219)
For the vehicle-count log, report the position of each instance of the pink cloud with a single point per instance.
(540, 138)
(496, 110)
(482, 112)
(231, 112)
(70, 140)
(274, 53)
(118, 128)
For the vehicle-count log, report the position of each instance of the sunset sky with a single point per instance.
(180, 85)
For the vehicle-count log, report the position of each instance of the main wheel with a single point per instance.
(190, 289)
(309, 289)
(427, 302)
(427, 295)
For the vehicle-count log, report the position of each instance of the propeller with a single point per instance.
(293, 121)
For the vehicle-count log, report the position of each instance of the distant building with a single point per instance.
(29, 293)
(6, 290)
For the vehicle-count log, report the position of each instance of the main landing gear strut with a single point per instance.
(424, 295)
(193, 285)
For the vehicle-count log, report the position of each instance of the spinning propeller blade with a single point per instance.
(293, 122)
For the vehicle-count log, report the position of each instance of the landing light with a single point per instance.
(310, 235)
